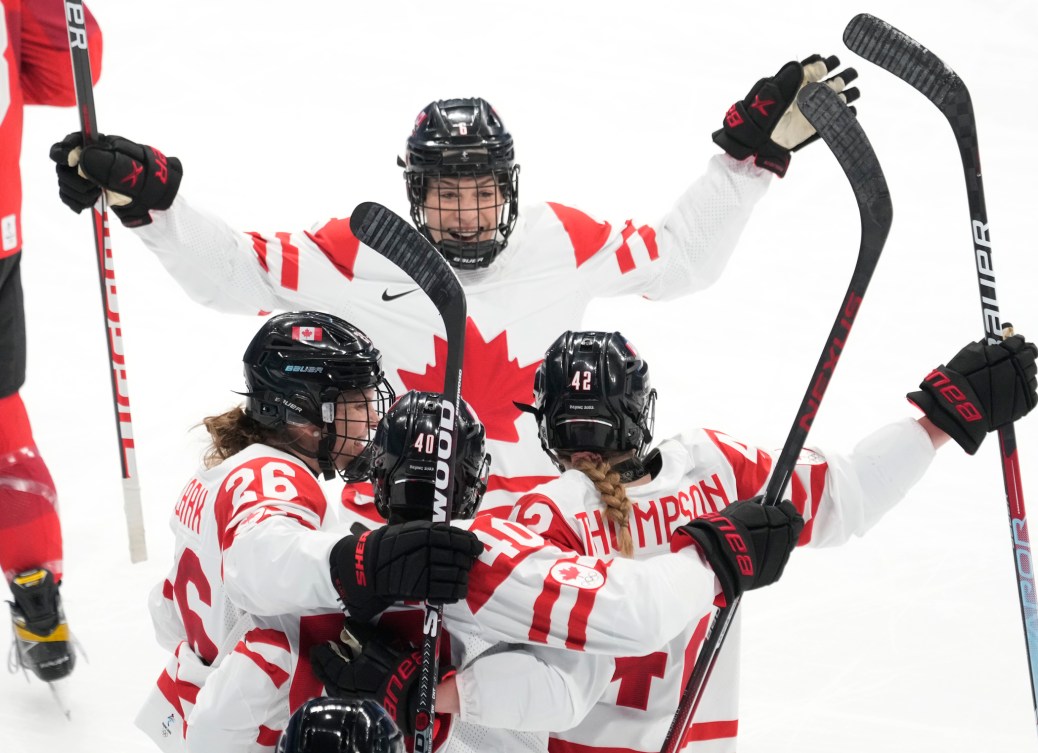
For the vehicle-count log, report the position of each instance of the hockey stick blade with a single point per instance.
(893, 50)
(841, 131)
(394, 238)
(399, 242)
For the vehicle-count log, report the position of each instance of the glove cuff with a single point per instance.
(968, 436)
(774, 158)
(705, 537)
(351, 584)
(734, 148)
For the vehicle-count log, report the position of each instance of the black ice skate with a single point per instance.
(42, 643)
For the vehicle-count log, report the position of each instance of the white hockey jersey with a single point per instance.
(703, 472)
(198, 614)
(557, 260)
(249, 594)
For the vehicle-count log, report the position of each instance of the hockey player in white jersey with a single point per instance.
(530, 648)
(594, 406)
(526, 273)
(254, 532)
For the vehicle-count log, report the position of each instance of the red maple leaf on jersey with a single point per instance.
(568, 573)
(490, 381)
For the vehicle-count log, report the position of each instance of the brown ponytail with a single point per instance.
(613, 493)
(232, 432)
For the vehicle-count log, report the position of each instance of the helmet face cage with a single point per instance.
(593, 394)
(299, 368)
(462, 180)
(405, 454)
(338, 725)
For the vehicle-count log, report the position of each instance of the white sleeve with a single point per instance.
(244, 705)
(280, 567)
(863, 487)
(532, 689)
(169, 629)
(701, 231)
(214, 263)
(523, 590)
(688, 249)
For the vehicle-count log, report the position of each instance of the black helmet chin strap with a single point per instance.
(634, 468)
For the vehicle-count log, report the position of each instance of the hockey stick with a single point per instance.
(75, 22)
(891, 49)
(395, 239)
(842, 132)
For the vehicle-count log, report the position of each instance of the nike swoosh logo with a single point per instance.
(387, 297)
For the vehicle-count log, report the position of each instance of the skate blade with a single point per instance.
(59, 689)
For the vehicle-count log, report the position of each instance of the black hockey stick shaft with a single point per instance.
(893, 50)
(75, 22)
(400, 243)
(842, 132)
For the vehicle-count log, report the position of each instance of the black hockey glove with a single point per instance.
(376, 666)
(414, 561)
(747, 544)
(76, 192)
(983, 388)
(136, 178)
(768, 124)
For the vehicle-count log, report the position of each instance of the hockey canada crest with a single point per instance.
(578, 576)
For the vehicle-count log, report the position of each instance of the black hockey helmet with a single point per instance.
(592, 393)
(339, 725)
(405, 453)
(458, 138)
(299, 365)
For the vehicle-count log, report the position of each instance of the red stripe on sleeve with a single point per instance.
(268, 737)
(259, 245)
(799, 499)
(338, 243)
(168, 688)
(624, 258)
(270, 637)
(712, 731)
(289, 262)
(576, 638)
(585, 234)
(167, 590)
(277, 675)
(649, 237)
(542, 608)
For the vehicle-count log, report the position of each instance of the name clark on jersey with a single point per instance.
(191, 504)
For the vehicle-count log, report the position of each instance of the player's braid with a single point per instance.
(231, 432)
(614, 496)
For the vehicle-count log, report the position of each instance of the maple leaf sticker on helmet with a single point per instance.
(577, 576)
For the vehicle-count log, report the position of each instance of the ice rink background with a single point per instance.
(284, 114)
